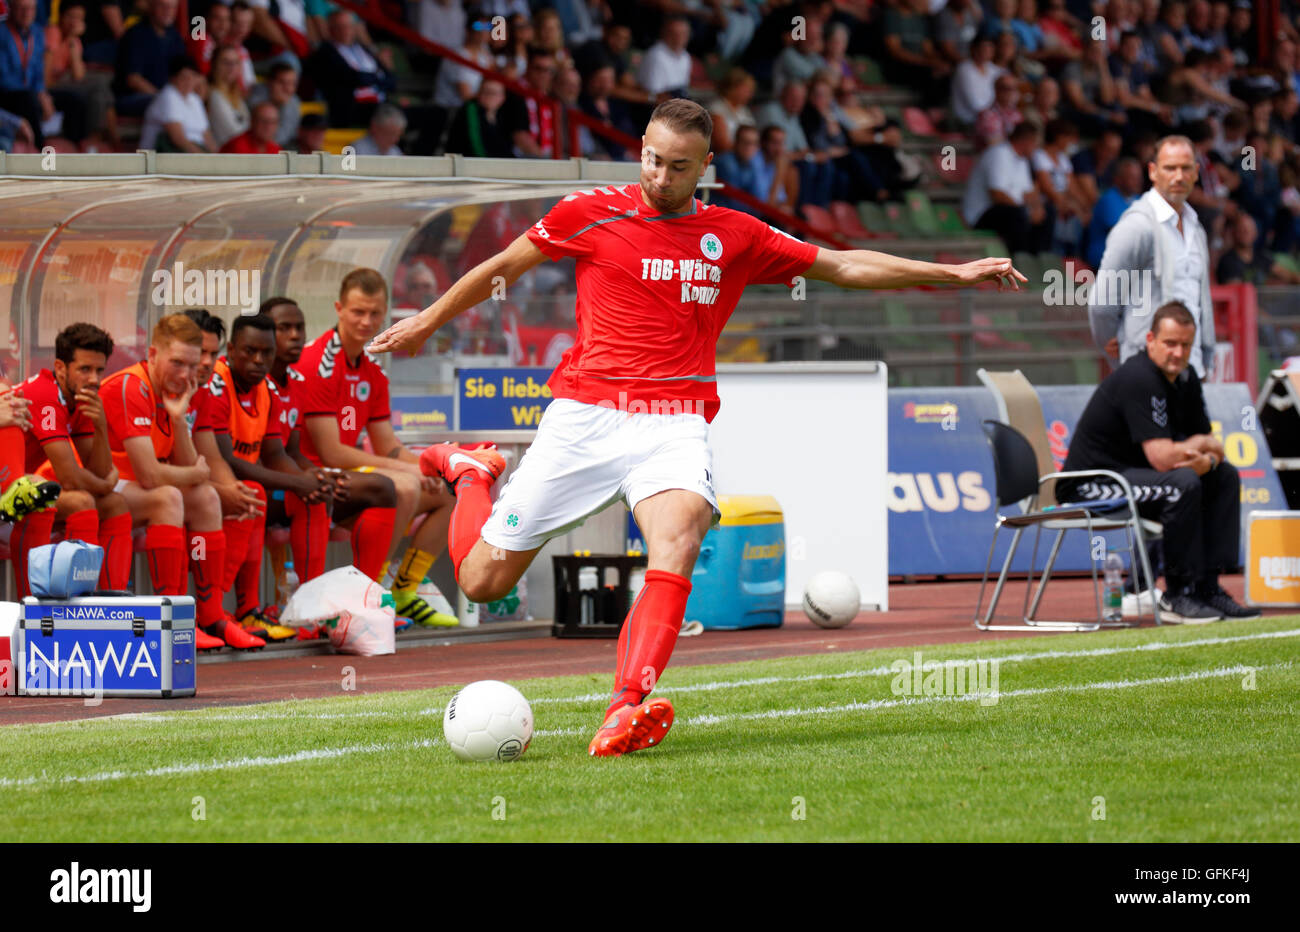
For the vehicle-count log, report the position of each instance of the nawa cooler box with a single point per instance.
(105, 645)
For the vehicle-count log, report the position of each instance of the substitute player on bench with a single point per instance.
(344, 392)
(244, 409)
(68, 443)
(354, 493)
(165, 481)
(658, 274)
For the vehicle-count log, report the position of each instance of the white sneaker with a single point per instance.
(1138, 604)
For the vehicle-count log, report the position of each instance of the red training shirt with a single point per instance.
(52, 419)
(654, 292)
(354, 393)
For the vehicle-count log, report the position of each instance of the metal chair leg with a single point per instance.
(1047, 575)
(1002, 580)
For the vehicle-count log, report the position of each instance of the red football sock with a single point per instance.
(250, 571)
(208, 563)
(372, 536)
(115, 538)
(309, 535)
(82, 525)
(237, 534)
(473, 505)
(164, 548)
(32, 531)
(648, 637)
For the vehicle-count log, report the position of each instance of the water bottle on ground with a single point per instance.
(285, 590)
(1113, 602)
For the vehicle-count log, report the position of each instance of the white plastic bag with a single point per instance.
(357, 611)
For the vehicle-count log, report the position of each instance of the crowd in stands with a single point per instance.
(1044, 101)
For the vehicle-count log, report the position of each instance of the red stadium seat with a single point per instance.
(847, 219)
(820, 220)
(917, 122)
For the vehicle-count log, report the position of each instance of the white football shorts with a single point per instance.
(587, 456)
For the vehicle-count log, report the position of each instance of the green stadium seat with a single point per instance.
(1287, 261)
(922, 213)
(873, 218)
(871, 73)
(899, 219)
(949, 218)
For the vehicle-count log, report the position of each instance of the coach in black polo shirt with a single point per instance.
(1147, 422)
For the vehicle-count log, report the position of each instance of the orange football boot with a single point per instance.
(633, 728)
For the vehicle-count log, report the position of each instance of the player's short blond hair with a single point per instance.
(684, 116)
(367, 281)
(176, 328)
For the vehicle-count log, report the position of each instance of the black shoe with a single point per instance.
(1186, 609)
(1219, 600)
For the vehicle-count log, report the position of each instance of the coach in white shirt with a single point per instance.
(666, 67)
(1000, 194)
(1158, 250)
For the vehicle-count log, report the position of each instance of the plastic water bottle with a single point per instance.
(1113, 603)
(588, 583)
(285, 590)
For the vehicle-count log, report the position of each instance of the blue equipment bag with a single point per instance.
(64, 570)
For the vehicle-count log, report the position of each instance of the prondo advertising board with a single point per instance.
(942, 492)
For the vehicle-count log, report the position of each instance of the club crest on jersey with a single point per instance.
(363, 390)
(711, 246)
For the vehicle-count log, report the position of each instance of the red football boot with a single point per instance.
(633, 728)
(451, 462)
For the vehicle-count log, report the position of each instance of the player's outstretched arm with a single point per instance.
(474, 287)
(863, 268)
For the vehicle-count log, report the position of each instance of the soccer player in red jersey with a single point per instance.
(658, 274)
(345, 392)
(244, 407)
(68, 443)
(354, 493)
(165, 480)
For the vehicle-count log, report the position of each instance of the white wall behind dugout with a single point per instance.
(814, 436)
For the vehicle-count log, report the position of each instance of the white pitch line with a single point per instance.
(699, 720)
(291, 715)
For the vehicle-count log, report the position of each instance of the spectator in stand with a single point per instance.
(1260, 191)
(66, 73)
(785, 112)
(457, 83)
(614, 49)
(281, 89)
(1112, 203)
(1232, 136)
(827, 131)
(731, 110)
(995, 124)
(1002, 18)
(1284, 122)
(1211, 197)
(506, 8)
(743, 167)
(1171, 36)
(143, 58)
(1054, 178)
(739, 23)
(22, 76)
(259, 139)
(1134, 89)
(956, 28)
(1248, 262)
(838, 65)
(14, 128)
(386, 128)
(1148, 25)
(1060, 32)
(1191, 89)
(352, 81)
(103, 29)
(550, 36)
(441, 21)
(311, 133)
(665, 69)
(203, 48)
(1261, 115)
(241, 28)
(775, 160)
(598, 102)
(974, 82)
(477, 129)
(910, 57)
(511, 50)
(1242, 38)
(1000, 194)
(1045, 106)
(1091, 97)
(1094, 165)
(897, 170)
(285, 32)
(1028, 32)
(1201, 31)
(1286, 228)
(531, 123)
(1006, 55)
(176, 120)
(228, 114)
(800, 60)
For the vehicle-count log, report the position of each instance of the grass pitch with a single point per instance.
(1169, 734)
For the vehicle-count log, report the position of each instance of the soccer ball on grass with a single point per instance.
(488, 720)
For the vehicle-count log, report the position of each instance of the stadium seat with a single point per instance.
(873, 218)
(820, 219)
(899, 220)
(917, 122)
(1025, 473)
(847, 219)
(922, 214)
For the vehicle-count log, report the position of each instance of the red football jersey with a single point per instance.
(51, 418)
(353, 392)
(654, 292)
(290, 396)
(198, 417)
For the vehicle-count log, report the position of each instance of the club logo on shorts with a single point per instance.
(711, 246)
(512, 519)
(363, 390)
